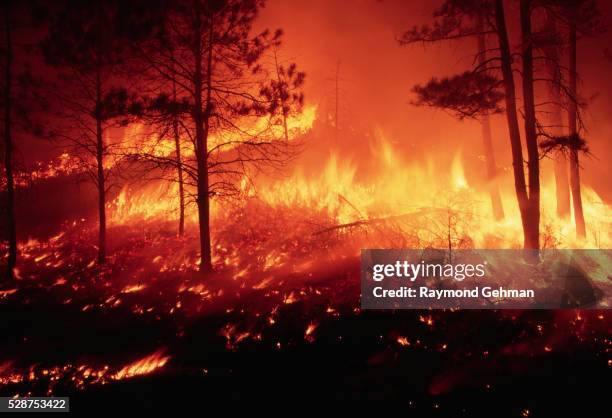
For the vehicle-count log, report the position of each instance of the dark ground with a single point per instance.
(224, 348)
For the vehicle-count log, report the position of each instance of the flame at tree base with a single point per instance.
(428, 202)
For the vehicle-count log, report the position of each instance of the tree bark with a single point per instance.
(562, 188)
(491, 166)
(283, 109)
(573, 116)
(492, 181)
(8, 150)
(100, 177)
(337, 101)
(531, 137)
(202, 125)
(179, 167)
(513, 126)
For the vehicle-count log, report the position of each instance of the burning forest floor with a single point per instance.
(279, 320)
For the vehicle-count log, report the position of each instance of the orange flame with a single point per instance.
(144, 366)
(397, 188)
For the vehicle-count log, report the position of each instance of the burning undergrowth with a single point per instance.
(283, 303)
(283, 306)
(105, 301)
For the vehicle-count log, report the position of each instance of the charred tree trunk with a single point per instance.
(8, 150)
(532, 238)
(100, 181)
(562, 186)
(337, 102)
(202, 125)
(283, 108)
(560, 163)
(573, 116)
(285, 124)
(492, 182)
(179, 167)
(512, 118)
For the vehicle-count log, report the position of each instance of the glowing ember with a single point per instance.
(291, 298)
(403, 341)
(233, 336)
(133, 288)
(310, 329)
(144, 366)
(5, 293)
(428, 320)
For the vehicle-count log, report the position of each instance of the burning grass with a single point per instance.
(286, 289)
(283, 305)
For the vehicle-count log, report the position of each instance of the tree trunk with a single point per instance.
(337, 101)
(573, 116)
(202, 119)
(513, 126)
(562, 190)
(531, 136)
(100, 178)
(179, 167)
(283, 109)
(562, 187)
(8, 151)
(492, 182)
(285, 124)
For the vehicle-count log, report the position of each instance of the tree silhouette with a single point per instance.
(467, 95)
(493, 184)
(475, 93)
(549, 40)
(577, 17)
(583, 15)
(283, 92)
(21, 103)
(457, 19)
(8, 142)
(572, 116)
(165, 113)
(207, 51)
(87, 43)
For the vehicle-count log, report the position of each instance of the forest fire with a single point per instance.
(398, 189)
(186, 212)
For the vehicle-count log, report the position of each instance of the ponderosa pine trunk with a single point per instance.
(562, 188)
(532, 238)
(573, 130)
(101, 183)
(513, 126)
(283, 110)
(561, 185)
(492, 181)
(491, 166)
(8, 149)
(202, 127)
(179, 167)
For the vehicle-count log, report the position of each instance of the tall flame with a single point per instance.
(396, 187)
